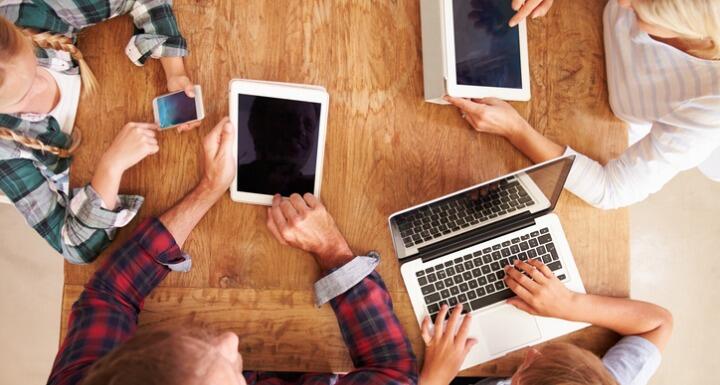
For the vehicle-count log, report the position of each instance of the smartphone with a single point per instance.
(176, 108)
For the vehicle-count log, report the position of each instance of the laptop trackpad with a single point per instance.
(507, 328)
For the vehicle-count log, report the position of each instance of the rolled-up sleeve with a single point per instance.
(345, 277)
(157, 33)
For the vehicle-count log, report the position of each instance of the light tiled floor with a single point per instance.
(675, 262)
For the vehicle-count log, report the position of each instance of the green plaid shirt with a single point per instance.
(74, 222)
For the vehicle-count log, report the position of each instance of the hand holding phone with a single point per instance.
(176, 108)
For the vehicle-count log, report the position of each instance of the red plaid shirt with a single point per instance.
(107, 311)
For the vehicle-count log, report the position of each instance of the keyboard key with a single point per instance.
(473, 284)
(486, 269)
(546, 259)
(482, 281)
(486, 258)
(506, 244)
(544, 231)
(420, 273)
(468, 265)
(457, 279)
(554, 255)
(495, 266)
(467, 276)
(448, 263)
(462, 298)
(555, 266)
(550, 246)
(422, 281)
(533, 242)
(458, 260)
(434, 308)
(432, 298)
(464, 287)
(427, 289)
(491, 278)
(450, 271)
(431, 277)
(439, 285)
(491, 299)
(466, 257)
(476, 273)
(540, 250)
(487, 250)
(454, 290)
(445, 294)
(441, 274)
(452, 301)
(496, 247)
(524, 246)
(448, 282)
(478, 261)
(525, 237)
(561, 277)
(500, 275)
(506, 252)
(534, 233)
(523, 256)
(499, 285)
(459, 268)
(514, 249)
(480, 292)
(544, 238)
(471, 295)
(490, 289)
(504, 262)
(516, 240)
(532, 253)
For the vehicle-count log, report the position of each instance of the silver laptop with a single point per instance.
(453, 249)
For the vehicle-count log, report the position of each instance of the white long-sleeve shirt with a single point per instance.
(650, 82)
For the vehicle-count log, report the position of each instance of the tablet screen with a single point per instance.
(487, 50)
(277, 145)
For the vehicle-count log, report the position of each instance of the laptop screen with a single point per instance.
(530, 191)
(487, 50)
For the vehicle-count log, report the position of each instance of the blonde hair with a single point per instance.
(690, 19)
(11, 44)
(565, 364)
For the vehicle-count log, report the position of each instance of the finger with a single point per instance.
(150, 141)
(277, 214)
(469, 345)
(534, 273)
(462, 334)
(212, 139)
(146, 126)
(463, 104)
(440, 321)
(542, 10)
(425, 328)
(516, 4)
(542, 269)
(273, 228)
(190, 90)
(153, 149)
(288, 210)
(453, 321)
(522, 279)
(518, 289)
(470, 121)
(522, 305)
(489, 101)
(523, 12)
(311, 200)
(183, 128)
(299, 203)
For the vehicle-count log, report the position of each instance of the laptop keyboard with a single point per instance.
(452, 215)
(476, 280)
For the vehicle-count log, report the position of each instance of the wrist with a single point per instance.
(573, 312)
(207, 191)
(334, 256)
(518, 131)
(108, 168)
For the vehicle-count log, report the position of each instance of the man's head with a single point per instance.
(192, 357)
(283, 129)
(562, 364)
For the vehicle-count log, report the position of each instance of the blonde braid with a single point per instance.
(35, 144)
(64, 43)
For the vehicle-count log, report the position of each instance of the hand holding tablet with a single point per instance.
(280, 141)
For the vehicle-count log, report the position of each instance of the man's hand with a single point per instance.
(220, 164)
(532, 8)
(539, 291)
(178, 80)
(445, 351)
(304, 223)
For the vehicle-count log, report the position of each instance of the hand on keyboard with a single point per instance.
(445, 351)
(538, 290)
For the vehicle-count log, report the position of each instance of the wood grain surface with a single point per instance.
(386, 150)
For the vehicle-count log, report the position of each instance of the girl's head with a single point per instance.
(694, 20)
(562, 364)
(18, 65)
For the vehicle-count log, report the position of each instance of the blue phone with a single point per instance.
(174, 109)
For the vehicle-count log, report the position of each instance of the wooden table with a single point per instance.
(386, 150)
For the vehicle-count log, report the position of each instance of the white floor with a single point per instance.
(675, 238)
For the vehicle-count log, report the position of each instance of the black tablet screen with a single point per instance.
(487, 50)
(277, 145)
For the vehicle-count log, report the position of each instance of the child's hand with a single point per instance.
(182, 82)
(134, 142)
(543, 295)
(445, 351)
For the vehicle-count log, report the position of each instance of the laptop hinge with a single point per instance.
(471, 238)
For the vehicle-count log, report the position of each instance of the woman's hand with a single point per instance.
(539, 291)
(532, 8)
(178, 80)
(490, 115)
(445, 351)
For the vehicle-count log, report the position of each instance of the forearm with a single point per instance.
(184, 216)
(106, 182)
(534, 144)
(624, 316)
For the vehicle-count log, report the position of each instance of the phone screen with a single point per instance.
(176, 109)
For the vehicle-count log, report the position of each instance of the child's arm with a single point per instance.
(445, 351)
(545, 295)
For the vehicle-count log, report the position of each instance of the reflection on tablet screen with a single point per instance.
(487, 50)
(277, 145)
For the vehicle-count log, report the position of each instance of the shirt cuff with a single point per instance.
(160, 244)
(344, 278)
(142, 47)
(87, 206)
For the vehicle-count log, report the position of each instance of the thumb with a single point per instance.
(212, 139)
(190, 90)
(227, 139)
(469, 344)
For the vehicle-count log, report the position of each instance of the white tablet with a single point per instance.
(484, 56)
(280, 141)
